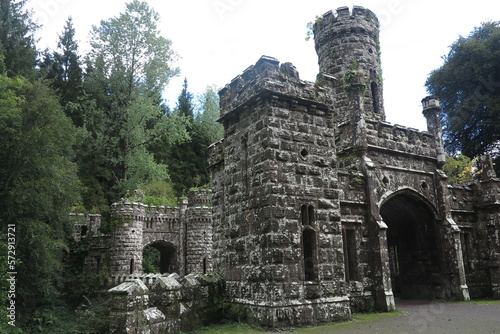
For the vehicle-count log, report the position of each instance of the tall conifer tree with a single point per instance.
(17, 42)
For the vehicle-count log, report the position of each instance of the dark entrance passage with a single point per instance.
(160, 257)
(414, 250)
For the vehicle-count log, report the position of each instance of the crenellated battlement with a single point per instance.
(168, 304)
(343, 20)
(85, 225)
(182, 234)
(200, 198)
(331, 28)
(400, 138)
(271, 77)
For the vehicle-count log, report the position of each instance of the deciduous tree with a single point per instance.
(129, 66)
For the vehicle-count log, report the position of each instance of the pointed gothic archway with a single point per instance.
(415, 252)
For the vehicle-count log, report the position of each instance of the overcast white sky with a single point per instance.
(218, 39)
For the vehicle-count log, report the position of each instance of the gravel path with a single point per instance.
(426, 317)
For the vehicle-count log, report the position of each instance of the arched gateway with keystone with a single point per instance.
(319, 206)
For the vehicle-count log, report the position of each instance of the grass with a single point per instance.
(484, 301)
(229, 328)
(239, 328)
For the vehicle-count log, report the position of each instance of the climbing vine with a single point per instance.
(353, 79)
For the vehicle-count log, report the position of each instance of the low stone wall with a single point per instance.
(172, 304)
(148, 279)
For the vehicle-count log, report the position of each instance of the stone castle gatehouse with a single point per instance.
(182, 235)
(321, 207)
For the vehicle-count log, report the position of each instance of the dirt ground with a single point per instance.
(426, 317)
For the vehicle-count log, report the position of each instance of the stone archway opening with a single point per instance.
(413, 245)
(160, 257)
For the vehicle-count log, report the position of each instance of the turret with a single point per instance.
(431, 111)
(126, 245)
(348, 49)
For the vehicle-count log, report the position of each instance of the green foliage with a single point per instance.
(188, 161)
(17, 41)
(208, 114)
(63, 69)
(78, 284)
(224, 311)
(128, 68)
(185, 102)
(310, 27)
(468, 85)
(93, 317)
(159, 192)
(353, 79)
(53, 320)
(460, 169)
(38, 184)
(151, 260)
(130, 52)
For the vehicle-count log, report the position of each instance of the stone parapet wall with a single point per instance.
(170, 305)
(148, 279)
(397, 138)
(85, 225)
(200, 198)
(489, 192)
(462, 198)
(267, 75)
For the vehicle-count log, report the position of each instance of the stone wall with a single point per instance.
(171, 304)
(85, 225)
(275, 189)
(475, 209)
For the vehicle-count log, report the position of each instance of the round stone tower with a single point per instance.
(126, 242)
(348, 49)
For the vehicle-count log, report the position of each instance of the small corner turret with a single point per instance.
(431, 110)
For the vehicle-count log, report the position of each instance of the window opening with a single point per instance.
(309, 249)
(350, 262)
(131, 266)
(244, 161)
(307, 215)
(374, 88)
